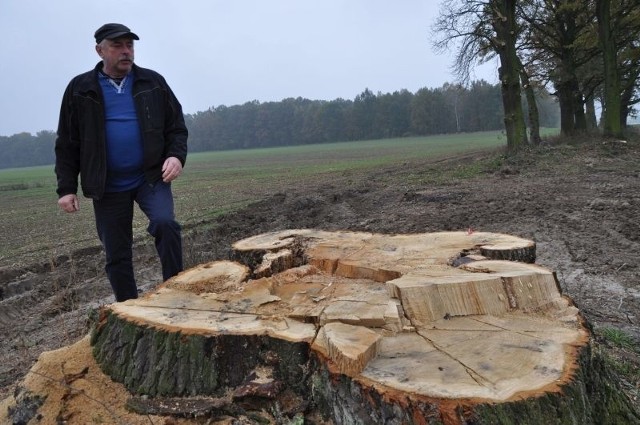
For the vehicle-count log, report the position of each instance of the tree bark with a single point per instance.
(534, 116)
(590, 107)
(564, 75)
(612, 97)
(440, 328)
(628, 91)
(567, 116)
(504, 23)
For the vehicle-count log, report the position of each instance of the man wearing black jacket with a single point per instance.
(122, 131)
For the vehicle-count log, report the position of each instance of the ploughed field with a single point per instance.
(579, 203)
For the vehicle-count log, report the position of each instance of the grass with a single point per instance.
(617, 338)
(215, 183)
(620, 352)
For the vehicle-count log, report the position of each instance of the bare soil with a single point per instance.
(580, 203)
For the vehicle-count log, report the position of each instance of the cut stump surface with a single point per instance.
(437, 316)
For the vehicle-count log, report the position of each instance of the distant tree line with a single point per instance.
(448, 109)
(294, 121)
(25, 149)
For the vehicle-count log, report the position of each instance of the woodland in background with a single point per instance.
(444, 110)
(448, 109)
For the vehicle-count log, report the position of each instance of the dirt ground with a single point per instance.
(579, 203)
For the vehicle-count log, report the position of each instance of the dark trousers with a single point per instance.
(114, 221)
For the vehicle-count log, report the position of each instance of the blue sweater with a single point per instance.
(124, 141)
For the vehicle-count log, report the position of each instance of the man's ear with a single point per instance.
(99, 50)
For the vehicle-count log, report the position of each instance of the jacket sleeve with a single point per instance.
(67, 147)
(175, 129)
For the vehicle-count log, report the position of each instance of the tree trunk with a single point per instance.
(564, 74)
(590, 107)
(612, 102)
(504, 24)
(578, 104)
(534, 116)
(440, 328)
(628, 91)
(567, 116)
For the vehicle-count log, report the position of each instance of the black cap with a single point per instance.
(111, 31)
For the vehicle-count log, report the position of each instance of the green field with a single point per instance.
(35, 230)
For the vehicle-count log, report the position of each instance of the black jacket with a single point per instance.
(81, 143)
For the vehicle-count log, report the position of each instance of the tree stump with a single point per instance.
(451, 327)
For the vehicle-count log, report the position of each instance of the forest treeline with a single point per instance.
(294, 121)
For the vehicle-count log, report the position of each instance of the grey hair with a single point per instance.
(104, 42)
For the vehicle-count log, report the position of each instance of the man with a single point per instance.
(122, 131)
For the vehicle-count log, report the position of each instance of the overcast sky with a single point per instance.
(221, 52)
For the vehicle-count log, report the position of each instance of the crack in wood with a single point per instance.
(470, 371)
(239, 313)
(528, 334)
(473, 374)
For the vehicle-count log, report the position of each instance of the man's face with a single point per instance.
(117, 56)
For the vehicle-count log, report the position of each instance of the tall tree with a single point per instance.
(625, 26)
(556, 46)
(532, 110)
(612, 97)
(482, 28)
(503, 19)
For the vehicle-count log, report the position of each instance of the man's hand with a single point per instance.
(69, 203)
(171, 169)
